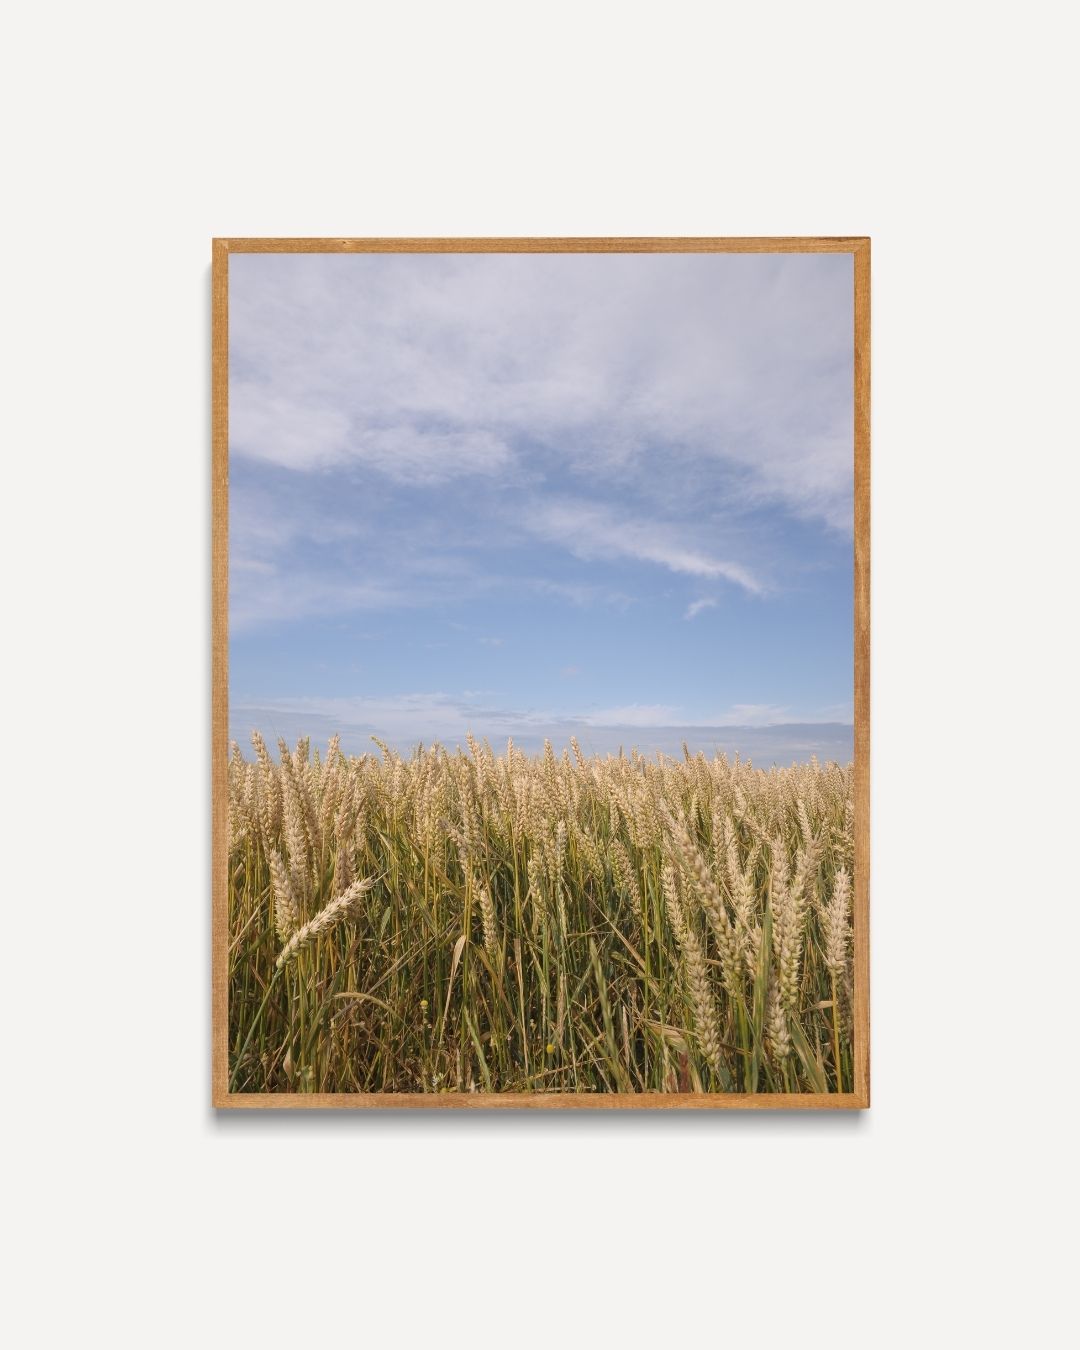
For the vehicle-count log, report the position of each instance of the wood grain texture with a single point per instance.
(859, 248)
(554, 1101)
(861, 1010)
(219, 700)
(552, 245)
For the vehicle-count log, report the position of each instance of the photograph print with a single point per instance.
(541, 676)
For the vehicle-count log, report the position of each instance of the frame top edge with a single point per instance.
(546, 244)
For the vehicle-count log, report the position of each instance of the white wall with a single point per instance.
(138, 1218)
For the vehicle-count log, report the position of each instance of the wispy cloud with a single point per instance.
(426, 367)
(406, 719)
(411, 454)
(264, 424)
(539, 450)
(581, 593)
(633, 715)
(318, 433)
(754, 715)
(591, 531)
(260, 596)
(443, 714)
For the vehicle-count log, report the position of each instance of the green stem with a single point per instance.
(255, 1022)
(836, 1037)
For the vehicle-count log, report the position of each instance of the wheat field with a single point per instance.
(473, 922)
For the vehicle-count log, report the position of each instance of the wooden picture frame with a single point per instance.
(859, 250)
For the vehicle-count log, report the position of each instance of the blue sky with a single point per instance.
(537, 495)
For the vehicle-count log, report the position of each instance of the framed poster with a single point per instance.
(541, 672)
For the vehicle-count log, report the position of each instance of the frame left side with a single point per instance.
(219, 694)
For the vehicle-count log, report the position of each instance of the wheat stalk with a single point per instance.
(706, 1025)
(587, 878)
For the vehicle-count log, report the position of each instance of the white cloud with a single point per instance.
(650, 367)
(314, 434)
(258, 597)
(634, 715)
(265, 425)
(753, 715)
(411, 455)
(696, 607)
(666, 715)
(590, 531)
(406, 719)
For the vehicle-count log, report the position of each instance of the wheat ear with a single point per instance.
(697, 978)
(835, 921)
(711, 902)
(333, 913)
(286, 911)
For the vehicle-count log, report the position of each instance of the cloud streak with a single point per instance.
(405, 720)
(591, 531)
(540, 471)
